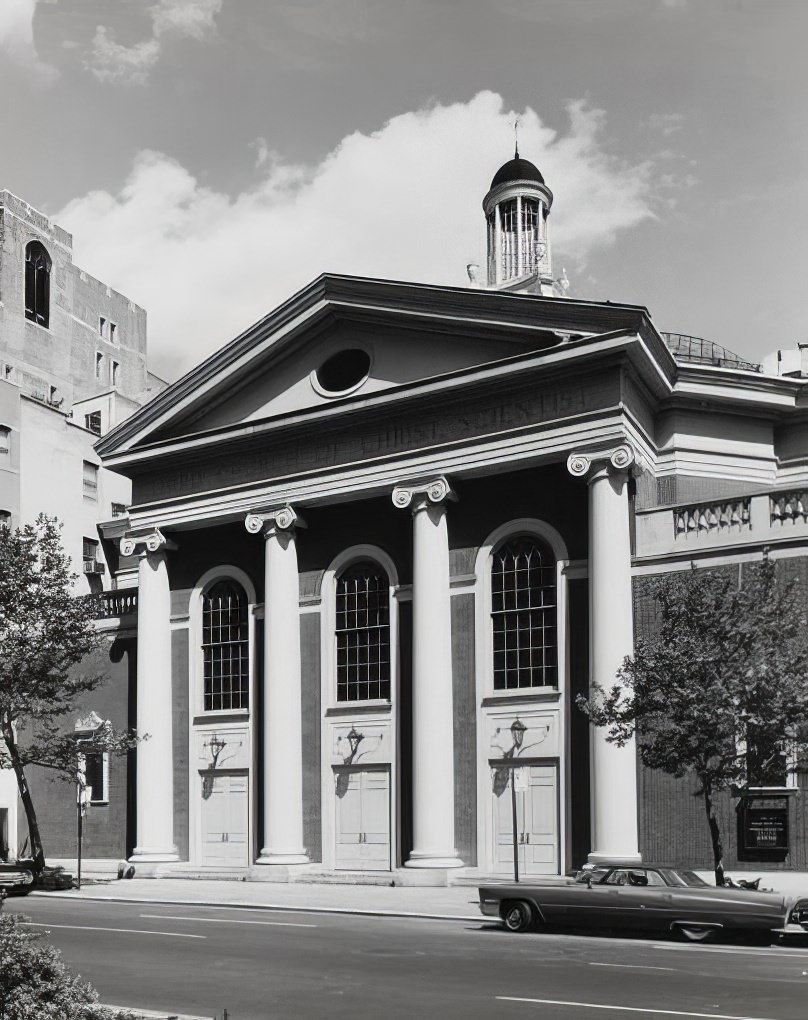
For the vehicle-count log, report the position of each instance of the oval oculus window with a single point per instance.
(343, 371)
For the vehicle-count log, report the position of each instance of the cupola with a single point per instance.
(516, 209)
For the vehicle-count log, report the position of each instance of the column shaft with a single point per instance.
(432, 710)
(283, 743)
(613, 769)
(155, 755)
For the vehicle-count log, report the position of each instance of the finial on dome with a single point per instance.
(516, 139)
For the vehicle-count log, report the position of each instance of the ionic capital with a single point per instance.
(615, 458)
(268, 522)
(145, 542)
(433, 490)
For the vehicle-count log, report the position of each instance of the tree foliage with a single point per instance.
(45, 632)
(722, 689)
(36, 985)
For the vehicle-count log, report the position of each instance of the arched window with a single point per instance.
(523, 612)
(363, 633)
(225, 647)
(37, 283)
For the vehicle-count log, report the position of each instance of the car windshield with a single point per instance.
(595, 875)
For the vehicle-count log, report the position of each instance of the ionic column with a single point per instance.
(282, 722)
(613, 789)
(497, 246)
(154, 804)
(432, 708)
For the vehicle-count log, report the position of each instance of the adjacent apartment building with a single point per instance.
(72, 367)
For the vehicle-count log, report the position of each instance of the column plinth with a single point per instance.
(154, 798)
(282, 712)
(613, 790)
(432, 707)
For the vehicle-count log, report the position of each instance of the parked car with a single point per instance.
(17, 877)
(643, 898)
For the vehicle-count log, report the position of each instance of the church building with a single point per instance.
(384, 538)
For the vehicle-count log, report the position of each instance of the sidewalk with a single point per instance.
(455, 902)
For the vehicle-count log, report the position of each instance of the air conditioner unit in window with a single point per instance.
(94, 567)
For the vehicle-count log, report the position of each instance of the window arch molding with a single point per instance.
(344, 561)
(226, 572)
(484, 643)
(38, 264)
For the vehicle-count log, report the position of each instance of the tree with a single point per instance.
(36, 985)
(721, 692)
(45, 632)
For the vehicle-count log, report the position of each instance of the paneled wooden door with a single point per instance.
(362, 819)
(537, 823)
(225, 819)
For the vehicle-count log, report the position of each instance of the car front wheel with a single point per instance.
(518, 916)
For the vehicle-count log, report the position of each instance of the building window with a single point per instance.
(99, 365)
(90, 480)
(92, 422)
(5, 438)
(523, 613)
(102, 326)
(37, 283)
(5, 518)
(114, 372)
(112, 331)
(363, 633)
(119, 509)
(225, 648)
(96, 776)
(89, 553)
(766, 760)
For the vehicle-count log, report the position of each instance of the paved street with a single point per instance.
(273, 965)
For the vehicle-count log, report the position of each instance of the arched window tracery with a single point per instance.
(225, 647)
(524, 614)
(363, 633)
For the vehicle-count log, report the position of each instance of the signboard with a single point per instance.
(765, 823)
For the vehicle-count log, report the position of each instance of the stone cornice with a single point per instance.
(432, 490)
(615, 458)
(267, 522)
(147, 541)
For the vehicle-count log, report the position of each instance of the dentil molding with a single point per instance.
(434, 490)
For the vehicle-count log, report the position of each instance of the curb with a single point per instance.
(151, 1014)
(240, 905)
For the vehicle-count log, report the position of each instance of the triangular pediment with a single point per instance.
(342, 342)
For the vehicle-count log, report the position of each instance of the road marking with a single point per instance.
(763, 951)
(629, 1009)
(127, 931)
(632, 966)
(226, 920)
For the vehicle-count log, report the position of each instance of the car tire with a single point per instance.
(518, 916)
(695, 933)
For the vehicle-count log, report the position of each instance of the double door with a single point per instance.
(362, 819)
(225, 819)
(537, 821)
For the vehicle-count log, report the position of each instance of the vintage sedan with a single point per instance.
(644, 898)
(16, 878)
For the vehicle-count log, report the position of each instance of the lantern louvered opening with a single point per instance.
(225, 648)
(363, 634)
(523, 613)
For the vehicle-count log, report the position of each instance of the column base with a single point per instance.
(616, 857)
(153, 855)
(276, 857)
(424, 859)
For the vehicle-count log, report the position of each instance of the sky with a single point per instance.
(211, 157)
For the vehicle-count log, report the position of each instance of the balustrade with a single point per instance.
(706, 518)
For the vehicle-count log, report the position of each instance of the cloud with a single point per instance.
(401, 203)
(110, 61)
(17, 40)
(666, 123)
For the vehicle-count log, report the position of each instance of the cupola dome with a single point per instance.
(517, 169)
